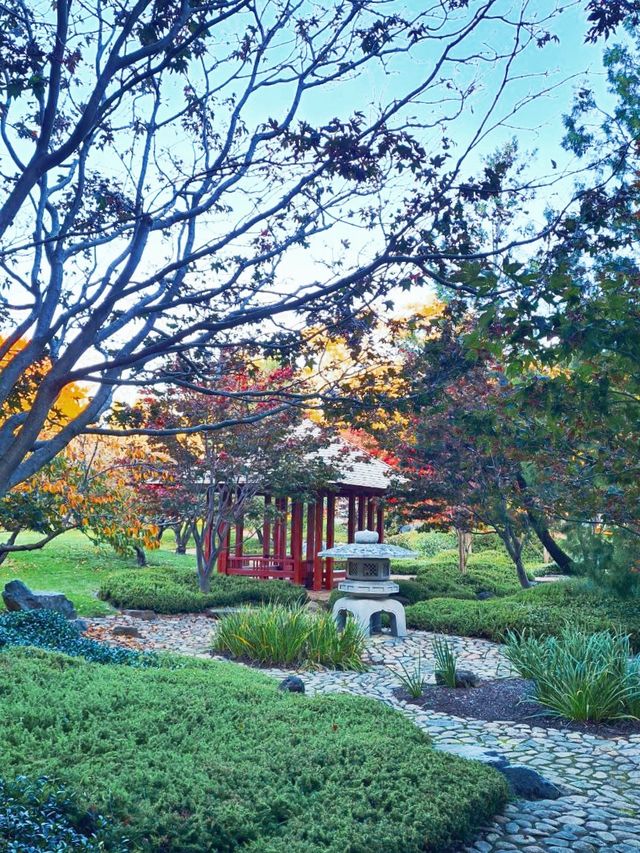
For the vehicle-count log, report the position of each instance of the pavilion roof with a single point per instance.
(359, 469)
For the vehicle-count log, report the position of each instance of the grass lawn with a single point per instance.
(72, 564)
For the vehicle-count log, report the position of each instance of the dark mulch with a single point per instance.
(509, 700)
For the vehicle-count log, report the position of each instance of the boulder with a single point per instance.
(529, 784)
(523, 781)
(125, 631)
(18, 596)
(476, 753)
(484, 594)
(464, 678)
(292, 684)
(146, 615)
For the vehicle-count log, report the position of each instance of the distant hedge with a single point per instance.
(212, 757)
(543, 610)
(173, 590)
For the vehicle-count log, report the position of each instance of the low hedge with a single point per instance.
(544, 610)
(489, 572)
(36, 815)
(173, 590)
(212, 757)
(46, 629)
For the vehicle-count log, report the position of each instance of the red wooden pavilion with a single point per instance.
(290, 543)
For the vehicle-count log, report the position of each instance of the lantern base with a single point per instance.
(367, 613)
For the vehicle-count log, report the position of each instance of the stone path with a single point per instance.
(601, 809)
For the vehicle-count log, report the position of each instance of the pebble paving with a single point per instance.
(600, 777)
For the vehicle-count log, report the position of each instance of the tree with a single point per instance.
(165, 161)
(209, 481)
(84, 488)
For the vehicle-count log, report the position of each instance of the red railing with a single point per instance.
(255, 566)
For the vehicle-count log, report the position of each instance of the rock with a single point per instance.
(314, 607)
(218, 612)
(292, 684)
(146, 615)
(80, 624)
(484, 595)
(476, 753)
(529, 784)
(464, 678)
(125, 631)
(18, 596)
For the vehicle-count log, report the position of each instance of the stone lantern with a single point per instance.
(368, 586)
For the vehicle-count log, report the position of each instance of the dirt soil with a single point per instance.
(509, 700)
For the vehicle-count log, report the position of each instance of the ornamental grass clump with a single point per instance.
(412, 680)
(580, 676)
(446, 661)
(274, 635)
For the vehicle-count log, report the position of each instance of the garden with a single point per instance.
(319, 427)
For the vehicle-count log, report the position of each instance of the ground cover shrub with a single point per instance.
(46, 629)
(36, 815)
(175, 590)
(426, 543)
(544, 610)
(580, 676)
(212, 757)
(488, 572)
(290, 636)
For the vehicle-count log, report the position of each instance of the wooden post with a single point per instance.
(296, 541)
(311, 530)
(276, 529)
(380, 522)
(266, 528)
(317, 561)
(284, 526)
(351, 519)
(238, 545)
(371, 509)
(331, 538)
(361, 512)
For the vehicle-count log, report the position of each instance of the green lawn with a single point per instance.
(72, 564)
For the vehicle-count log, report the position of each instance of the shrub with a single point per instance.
(46, 629)
(283, 636)
(38, 815)
(212, 757)
(488, 572)
(492, 542)
(543, 610)
(173, 590)
(609, 558)
(427, 543)
(577, 675)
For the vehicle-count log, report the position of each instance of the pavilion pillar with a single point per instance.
(277, 524)
(297, 510)
(351, 519)
(380, 522)
(266, 527)
(311, 534)
(371, 509)
(361, 511)
(331, 538)
(317, 561)
(284, 526)
(239, 537)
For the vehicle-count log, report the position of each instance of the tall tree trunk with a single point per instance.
(515, 546)
(464, 548)
(181, 533)
(141, 557)
(541, 529)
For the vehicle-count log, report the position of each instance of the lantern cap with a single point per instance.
(366, 545)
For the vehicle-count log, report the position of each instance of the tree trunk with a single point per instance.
(515, 545)
(141, 557)
(464, 548)
(181, 533)
(525, 583)
(10, 541)
(540, 528)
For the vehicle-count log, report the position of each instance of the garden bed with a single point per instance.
(509, 700)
